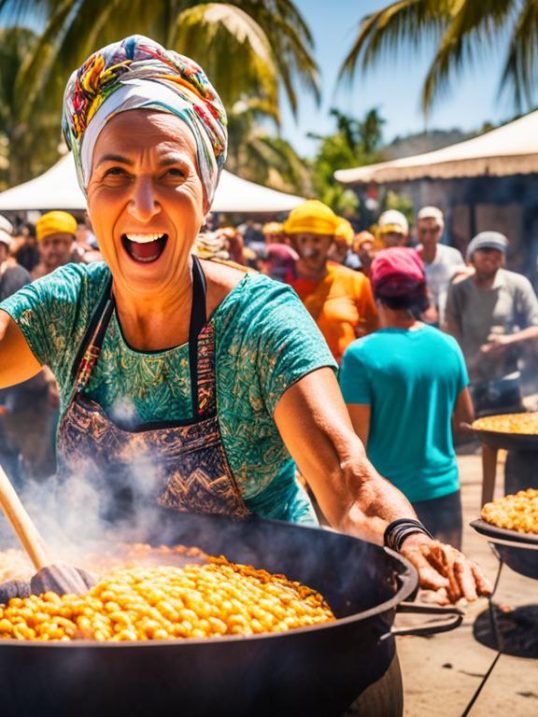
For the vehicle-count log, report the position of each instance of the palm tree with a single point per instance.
(28, 146)
(257, 154)
(460, 27)
(249, 48)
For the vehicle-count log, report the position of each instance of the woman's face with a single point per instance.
(145, 198)
(313, 249)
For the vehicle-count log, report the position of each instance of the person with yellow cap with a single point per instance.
(339, 299)
(56, 233)
(364, 246)
(342, 249)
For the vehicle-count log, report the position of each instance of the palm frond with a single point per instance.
(213, 33)
(521, 66)
(400, 25)
(473, 26)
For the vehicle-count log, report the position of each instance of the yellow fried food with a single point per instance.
(163, 603)
(522, 423)
(514, 512)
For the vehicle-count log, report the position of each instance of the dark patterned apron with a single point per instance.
(181, 465)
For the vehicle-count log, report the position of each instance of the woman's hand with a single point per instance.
(444, 570)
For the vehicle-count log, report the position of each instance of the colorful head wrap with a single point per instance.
(312, 217)
(55, 223)
(138, 73)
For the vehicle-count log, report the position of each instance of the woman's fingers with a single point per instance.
(442, 558)
(446, 571)
(430, 578)
(465, 578)
(483, 585)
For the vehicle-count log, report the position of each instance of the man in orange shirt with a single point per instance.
(339, 299)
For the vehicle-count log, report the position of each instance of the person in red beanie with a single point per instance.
(405, 386)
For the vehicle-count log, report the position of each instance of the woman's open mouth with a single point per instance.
(144, 248)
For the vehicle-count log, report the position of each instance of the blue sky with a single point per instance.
(393, 87)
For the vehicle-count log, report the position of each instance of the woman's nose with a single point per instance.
(143, 204)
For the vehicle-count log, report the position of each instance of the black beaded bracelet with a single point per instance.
(397, 531)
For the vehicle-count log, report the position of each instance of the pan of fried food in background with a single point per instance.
(510, 524)
(317, 670)
(510, 431)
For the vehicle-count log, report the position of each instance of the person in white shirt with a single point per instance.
(441, 262)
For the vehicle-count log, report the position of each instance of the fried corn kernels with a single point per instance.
(164, 603)
(514, 512)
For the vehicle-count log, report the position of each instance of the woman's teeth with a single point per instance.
(144, 238)
(144, 248)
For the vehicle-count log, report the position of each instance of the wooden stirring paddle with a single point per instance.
(56, 577)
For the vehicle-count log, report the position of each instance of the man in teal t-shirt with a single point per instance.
(402, 385)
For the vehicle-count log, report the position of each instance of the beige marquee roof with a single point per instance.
(508, 150)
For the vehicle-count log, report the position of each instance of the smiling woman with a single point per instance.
(200, 378)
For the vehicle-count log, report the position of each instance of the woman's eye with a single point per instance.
(175, 172)
(114, 172)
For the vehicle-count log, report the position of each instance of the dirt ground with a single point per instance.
(442, 673)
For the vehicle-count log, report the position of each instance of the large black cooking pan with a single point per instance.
(314, 671)
(518, 550)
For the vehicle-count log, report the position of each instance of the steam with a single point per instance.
(91, 511)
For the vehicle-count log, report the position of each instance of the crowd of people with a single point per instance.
(425, 338)
(419, 333)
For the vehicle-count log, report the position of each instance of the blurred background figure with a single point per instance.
(273, 233)
(493, 302)
(233, 243)
(86, 248)
(277, 259)
(441, 262)
(393, 229)
(25, 248)
(210, 245)
(403, 385)
(25, 409)
(56, 233)
(342, 248)
(364, 248)
(339, 300)
(12, 275)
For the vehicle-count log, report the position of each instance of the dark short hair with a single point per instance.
(415, 299)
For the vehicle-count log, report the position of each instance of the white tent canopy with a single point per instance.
(58, 188)
(508, 150)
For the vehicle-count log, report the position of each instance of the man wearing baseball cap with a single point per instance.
(403, 384)
(493, 302)
(392, 229)
(441, 262)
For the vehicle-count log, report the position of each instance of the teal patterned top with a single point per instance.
(265, 341)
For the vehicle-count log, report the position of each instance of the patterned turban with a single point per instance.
(138, 73)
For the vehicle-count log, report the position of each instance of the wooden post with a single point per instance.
(489, 473)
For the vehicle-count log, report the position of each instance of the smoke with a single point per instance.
(91, 510)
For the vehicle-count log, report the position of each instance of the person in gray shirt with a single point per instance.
(493, 301)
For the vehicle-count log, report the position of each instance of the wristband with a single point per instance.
(397, 531)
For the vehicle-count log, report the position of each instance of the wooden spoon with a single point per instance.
(51, 576)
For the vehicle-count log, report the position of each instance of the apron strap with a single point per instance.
(201, 344)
